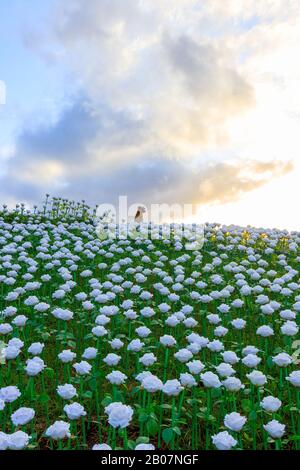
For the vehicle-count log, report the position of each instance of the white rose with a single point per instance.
(223, 441)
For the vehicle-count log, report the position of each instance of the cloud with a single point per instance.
(161, 87)
(44, 161)
(143, 61)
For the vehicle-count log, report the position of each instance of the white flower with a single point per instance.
(195, 367)
(102, 320)
(237, 303)
(282, 359)
(287, 315)
(11, 352)
(4, 441)
(82, 368)
(148, 359)
(116, 343)
(20, 320)
(2, 404)
(135, 345)
(9, 394)
(275, 429)
(42, 307)
(164, 308)
(127, 304)
(152, 384)
(223, 308)
(130, 315)
(265, 331)
(22, 416)
(220, 331)
(143, 331)
(9, 311)
(224, 441)
(190, 322)
(74, 411)
(238, 323)
(16, 342)
(215, 345)
(5, 328)
(119, 415)
(233, 384)
(230, 357)
(140, 377)
(167, 340)
(58, 430)
(172, 321)
(32, 300)
(67, 391)
(183, 355)
(144, 447)
(262, 299)
(172, 387)
(99, 331)
(257, 378)
(289, 328)
(251, 360)
(112, 359)
(271, 404)
(62, 314)
(187, 380)
(194, 348)
(36, 348)
(249, 350)
(116, 377)
(147, 312)
(225, 370)
(89, 353)
(18, 440)
(67, 356)
(234, 421)
(210, 380)
(101, 447)
(294, 378)
(34, 366)
(267, 309)
(213, 318)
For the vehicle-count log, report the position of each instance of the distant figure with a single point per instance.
(139, 214)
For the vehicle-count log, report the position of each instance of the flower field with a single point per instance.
(142, 344)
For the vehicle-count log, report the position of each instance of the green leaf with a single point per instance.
(252, 415)
(142, 440)
(43, 398)
(143, 417)
(152, 427)
(165, 406)
(49, 372)
(216, 392)
(246, 405)
(177, 430)
(106, 401)
(270, 362)
(93, 384)
(167, 435)
(131, 445)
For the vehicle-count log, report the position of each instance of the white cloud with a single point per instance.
(171, 81)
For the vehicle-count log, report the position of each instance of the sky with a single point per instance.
(165, 101)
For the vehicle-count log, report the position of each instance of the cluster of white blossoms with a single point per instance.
(136, 341)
